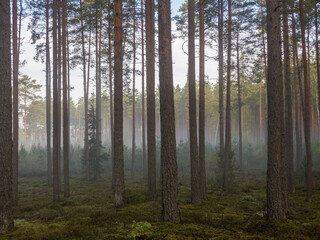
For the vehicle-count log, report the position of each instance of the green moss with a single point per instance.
(89, 213)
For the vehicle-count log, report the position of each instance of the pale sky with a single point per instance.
(36, 70)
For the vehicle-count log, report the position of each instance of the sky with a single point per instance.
(36, 70)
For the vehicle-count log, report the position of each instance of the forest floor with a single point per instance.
(89, 214)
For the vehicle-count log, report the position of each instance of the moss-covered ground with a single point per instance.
(89, 213)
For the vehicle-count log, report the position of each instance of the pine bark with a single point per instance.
(296, 96)
(48, 95)
(288, 100)
(169, 173)
(6, 212)
(118, 105)
(221, 81)
(317, 51)
(59, 39)
(227, 154)
(151, 123)
(276, 174)
(110, 86)
(134, 94)
(307, 113)
(15, 148)
(144, 159)
(195, 181)
(202, 160)
(65, 102)
(239, 102)
(85, 96)
(56, 146)
(98, 89)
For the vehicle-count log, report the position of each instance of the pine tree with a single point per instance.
(6, 213)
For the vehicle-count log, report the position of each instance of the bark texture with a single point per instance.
(65, 102)
(202, 160)
(151, 114)
(276, 192)
(195, 182)
(169, 173)
(118, 107)
(288, 100)
(307, 107)
(227, 153)
(6, 213)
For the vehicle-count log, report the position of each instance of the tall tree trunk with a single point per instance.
(296, 96)
(110, 86)
(98, 91)
(48, 95)
(169, 172)
(239, 102)
(195, 182)
(265, 70)
(15, 147)
(227, 154)
(134, 92)
(118, 107)
(65, 102)
(85, 95)
(301, 105)
(59, 88)
(276, 192)
(307, 106)
(202, 156)
(317, 51)
(288, 100)
(221, 84)
(151, 123)
(144, 159)
(6, 213)
(55, 131)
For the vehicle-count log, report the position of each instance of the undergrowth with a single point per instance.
(89, 213)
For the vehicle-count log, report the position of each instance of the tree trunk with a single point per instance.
(6, 213)
(55, 131)
(65, 102)
(59, 86)
(98, 91)
(276, 175)
(227, 154)
(307, 107)
(265, 71)
(85, 95)
(169, 172)
(288, 101)
(118, 107)
(151, 123)
(144, 159)
(317, 51)
(195, 182)
(110, 86)
(239, 103)
(221, 84)
(15, 147)
(296, 97)
(48, 95)
(134, 92)
(202, 156)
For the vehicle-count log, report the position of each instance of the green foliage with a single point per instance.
(220, 165)
(139, 229)
(95, 162)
